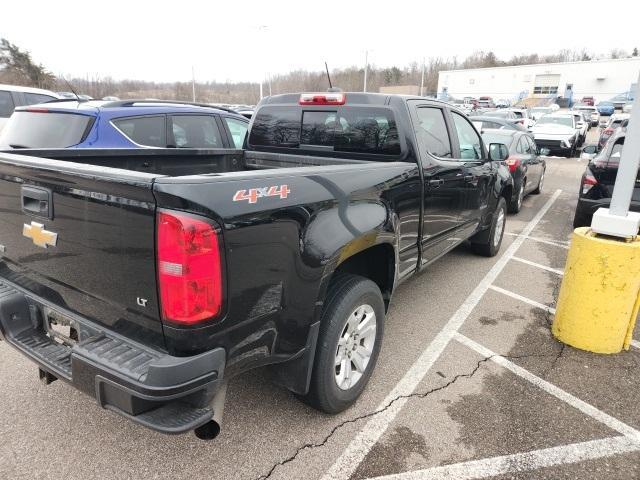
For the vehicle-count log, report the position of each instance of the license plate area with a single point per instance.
(60, 328)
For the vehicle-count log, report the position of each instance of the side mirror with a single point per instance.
(544, 152)
(498, 151)
(590, 149)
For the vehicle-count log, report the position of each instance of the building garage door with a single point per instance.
(546, 85)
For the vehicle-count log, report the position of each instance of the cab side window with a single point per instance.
(470, 143)
(432, 132)
(238, 130)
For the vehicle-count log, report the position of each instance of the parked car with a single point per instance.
(526, 166)
(123, 124)
(537, 112)
(582, 125)
(596, 184)
(590, 113)
(12, 96)
(523, 117)
(620, 99)
(606, 108)
(626, 108)
(285, 255)
(486, 102)
(588, 101)
(482, 122)
(558, 132)
(617, 120)
(503, 103)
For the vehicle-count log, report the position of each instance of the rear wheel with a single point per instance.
(351, 331)
(488, 243)
(540, 186)
(515, 204)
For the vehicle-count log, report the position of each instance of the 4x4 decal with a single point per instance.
(253, 194)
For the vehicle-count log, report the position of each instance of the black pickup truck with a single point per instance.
(146, 277)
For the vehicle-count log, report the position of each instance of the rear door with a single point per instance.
(443, 179)
(82, 238)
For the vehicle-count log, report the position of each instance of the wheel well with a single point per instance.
(376, 263)
(507, 192)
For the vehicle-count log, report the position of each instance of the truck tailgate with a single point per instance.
(82, 238)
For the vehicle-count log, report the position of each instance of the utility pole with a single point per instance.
(422, 79)
(366, 67)
(261, 95)
(193, 83)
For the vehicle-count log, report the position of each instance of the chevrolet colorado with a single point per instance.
(148, 277)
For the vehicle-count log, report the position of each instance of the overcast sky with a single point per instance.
(242, 39)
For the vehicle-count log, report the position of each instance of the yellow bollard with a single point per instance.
(600, 293)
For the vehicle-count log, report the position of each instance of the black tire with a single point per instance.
(346, 293)
(540, 186)
(515, 204)
(485, 243)
(581, 220)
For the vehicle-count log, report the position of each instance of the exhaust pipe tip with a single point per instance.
(208, 431)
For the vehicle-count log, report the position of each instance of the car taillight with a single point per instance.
(512, 163)
(608, 131)
(323, 99)
(189, 269)
(588, 181)
(36, 110)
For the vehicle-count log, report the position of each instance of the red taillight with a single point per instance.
(37, 110)
(608, 131)
(323, 99)
(512, 163)
(189, 269)
(588, 181)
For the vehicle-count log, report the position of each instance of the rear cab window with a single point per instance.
(29, 129)
(339, 130)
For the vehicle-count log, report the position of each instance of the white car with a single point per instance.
(558, 132)
(524, 117)
(12, 96)
(537, 112)
(590, 113)
(582, 125)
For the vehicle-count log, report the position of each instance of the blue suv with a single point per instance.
(123, 124)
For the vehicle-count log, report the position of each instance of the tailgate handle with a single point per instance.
(37, 201)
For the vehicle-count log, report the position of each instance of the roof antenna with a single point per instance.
(71, 88)
(328, 76)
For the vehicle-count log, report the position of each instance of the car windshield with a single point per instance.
(556, 120)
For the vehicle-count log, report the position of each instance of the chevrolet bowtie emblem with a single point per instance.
(41, 237)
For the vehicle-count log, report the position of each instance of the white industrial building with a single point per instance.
(601, 79)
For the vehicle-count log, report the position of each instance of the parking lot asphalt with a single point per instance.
(469, 384)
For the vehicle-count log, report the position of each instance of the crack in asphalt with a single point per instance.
(323, 442)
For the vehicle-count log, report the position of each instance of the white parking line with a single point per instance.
(635, 343)
(557, 392)
(542, 240)
(362, 443)
(511, 294)
(539, 265)
(523, 462)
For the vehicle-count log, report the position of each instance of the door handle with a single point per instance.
(435, 183)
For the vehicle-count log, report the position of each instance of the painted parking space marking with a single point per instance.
(551, 389)
(538, 265)
(523, 462)
(635, 343)
(366, 438)
(564, 245)
(533, 303)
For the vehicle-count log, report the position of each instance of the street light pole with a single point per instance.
(422, 79)
(193, 83)
(366, 67)
(617, 220)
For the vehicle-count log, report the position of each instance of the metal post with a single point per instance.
(193, 83)
(261, 90)
(617, 220)
(422, 79)
(366, 66)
